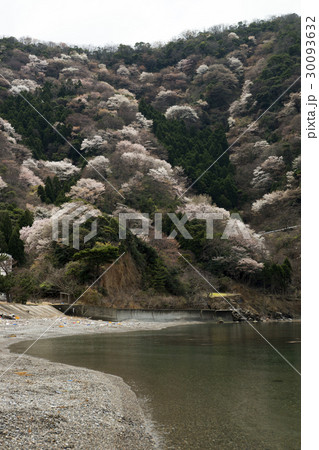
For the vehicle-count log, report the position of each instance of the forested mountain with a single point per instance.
(173, 128)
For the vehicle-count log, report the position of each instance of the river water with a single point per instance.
(208, 386)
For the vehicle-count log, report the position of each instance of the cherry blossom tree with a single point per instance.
(147, 77)
(185, 65)
(268, 199)
(38, 237)
(78, 56)
(9, 131)
(29, 177)
(182, 112)
(23, 86)
(142, 122)
(273, 164)
(239, 106)
(249, 265)
(261, 144)
(201, 205)
(3, 184)
(235, 64)
(123, 71)
(87, 189)
(261, 179)
(128, 132)
(166, 98)
(233, 36)
(203, 68)
(95, 142)
(296, 164)
(118, 100)
(62, 169)
(99, 165)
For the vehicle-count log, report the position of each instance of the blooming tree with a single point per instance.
(29, 177)
(147, 77)
(62, 169)
(201, 205)
(233, 36)
(249, 265)
(235, 64)
(128, 132)
(261, 144)
(35, 65)
(266, 173)
(3, 184)
(87, 189)
(142, 122)
(23, 86)
(185, 65)
(161, 174)
(273, 164)
(296, 164)
(123, 71)
(239, 106)
(128, 146)
(99, 165)
(166, 98)
(37, 237)
(79, 56)
(268, 199)
(9, 131)
(95, 142)
(119, 100)
(261, 179)
(182, 112)
(203, 68)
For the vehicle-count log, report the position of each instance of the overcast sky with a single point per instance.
(101, 22)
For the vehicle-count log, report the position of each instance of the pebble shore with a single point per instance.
(45, 405)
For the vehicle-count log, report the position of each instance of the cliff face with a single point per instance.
(135, 130)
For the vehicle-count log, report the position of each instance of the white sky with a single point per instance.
(102, 22)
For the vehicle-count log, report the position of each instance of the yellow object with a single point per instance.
(218, 294)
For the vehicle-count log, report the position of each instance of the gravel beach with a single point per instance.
(45, 405)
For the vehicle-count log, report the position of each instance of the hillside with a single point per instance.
(177, 128)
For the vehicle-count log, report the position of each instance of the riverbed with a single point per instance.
(205, 386)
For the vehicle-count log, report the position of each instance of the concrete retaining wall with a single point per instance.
(118, 315)
(29, 311)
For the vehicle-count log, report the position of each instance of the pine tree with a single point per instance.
(159, 276)
(6, 225)
(26, 220)
(49, 190)
(3, 244)
(41, 194)
(16, 246)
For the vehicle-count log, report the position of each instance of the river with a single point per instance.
(208, 386)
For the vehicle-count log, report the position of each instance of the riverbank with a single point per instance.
(48, 405)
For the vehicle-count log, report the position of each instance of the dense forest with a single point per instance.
(153, 129)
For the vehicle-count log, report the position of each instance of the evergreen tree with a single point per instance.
(3, 244)
(16, 246)
(41, 193)
(6, 225)
(26, 220)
